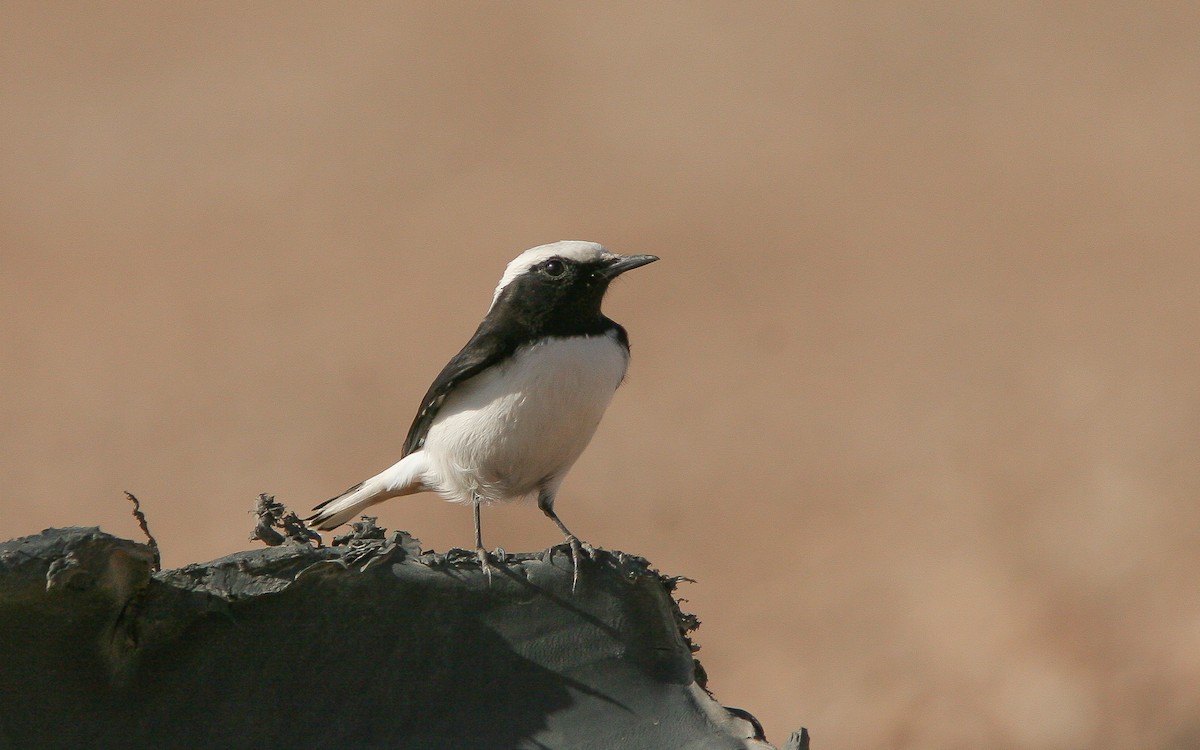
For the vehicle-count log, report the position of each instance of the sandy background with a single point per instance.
(914, 394)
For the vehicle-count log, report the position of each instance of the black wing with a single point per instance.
(487, 347)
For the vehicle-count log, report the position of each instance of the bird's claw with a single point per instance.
(578, 550)
(485, 563)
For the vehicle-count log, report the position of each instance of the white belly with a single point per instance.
(519, 427)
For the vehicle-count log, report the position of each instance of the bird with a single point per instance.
(509, 415)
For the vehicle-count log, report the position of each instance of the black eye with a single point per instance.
(554, 268)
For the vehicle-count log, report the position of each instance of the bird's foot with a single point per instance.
(578, 551)
(485, 563)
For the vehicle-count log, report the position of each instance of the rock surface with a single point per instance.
(367, 644)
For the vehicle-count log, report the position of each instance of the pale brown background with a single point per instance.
(914, 394)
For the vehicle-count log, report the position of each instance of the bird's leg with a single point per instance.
(484, 563)
(578, 548)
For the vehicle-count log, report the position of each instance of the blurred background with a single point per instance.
(914, 395)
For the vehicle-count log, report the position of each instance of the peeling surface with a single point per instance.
(368, 643)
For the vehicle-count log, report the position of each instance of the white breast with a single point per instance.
(519, 427)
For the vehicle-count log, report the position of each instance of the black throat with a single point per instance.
(531, 308)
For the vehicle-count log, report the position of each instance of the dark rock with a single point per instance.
(369, 644)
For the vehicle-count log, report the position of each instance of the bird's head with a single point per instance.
(563, 279)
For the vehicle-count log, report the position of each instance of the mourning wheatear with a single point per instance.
(509, 414)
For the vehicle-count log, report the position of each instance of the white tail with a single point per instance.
(403, 478)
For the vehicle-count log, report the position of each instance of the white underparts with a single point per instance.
(518, 427)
